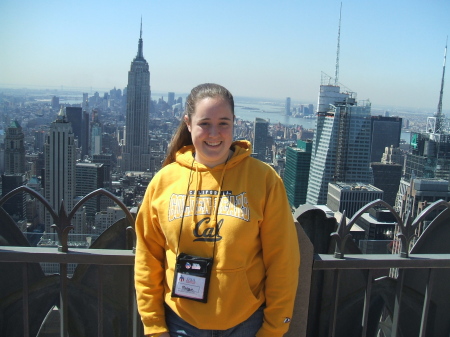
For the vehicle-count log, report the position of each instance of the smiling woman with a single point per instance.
(211, 129)
(216, 243)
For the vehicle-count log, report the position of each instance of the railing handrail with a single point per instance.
(380, 261)
(62, 220)
(126, 257)
(74, 255)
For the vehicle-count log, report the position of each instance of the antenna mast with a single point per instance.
(336, 74)
(439, 115)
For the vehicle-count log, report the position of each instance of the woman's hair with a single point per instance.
(182, 136)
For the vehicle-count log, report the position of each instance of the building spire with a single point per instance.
(336, 73)
(140, 54)
(439, 115)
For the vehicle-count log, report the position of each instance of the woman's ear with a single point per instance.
(186, 120)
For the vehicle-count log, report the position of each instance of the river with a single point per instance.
(275, 115)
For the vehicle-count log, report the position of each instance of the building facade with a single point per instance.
(429, 156)
(387, 178)
(351, 197)
(341, 143)
(287, 107)
(296, 172)
(16, 205)
(260, 135)
(60, 158)
(417, 194)
(79, 120)
(14, 149)
(89, 177)
(385, 132)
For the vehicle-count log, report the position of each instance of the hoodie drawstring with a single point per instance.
(215, 213)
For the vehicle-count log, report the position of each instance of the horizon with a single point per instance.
(61, 92)
(390, 53)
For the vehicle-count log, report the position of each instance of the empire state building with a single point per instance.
(136, 156)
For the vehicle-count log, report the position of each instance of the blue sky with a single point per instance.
(391, 50)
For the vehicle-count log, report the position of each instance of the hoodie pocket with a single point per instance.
(234, 285)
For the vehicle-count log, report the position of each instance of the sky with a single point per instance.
(391, 51)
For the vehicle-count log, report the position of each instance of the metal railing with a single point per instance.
(424, 266)
(63, 255)
(370, 263)
(336, 269)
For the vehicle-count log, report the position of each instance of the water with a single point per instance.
(248, 111)
(272, 111)
(276, 115)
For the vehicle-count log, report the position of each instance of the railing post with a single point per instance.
(100, 299)
(426, 303)
(63, 300)
(25, 301)
(367, 296)
(335, 303)
(397, 302)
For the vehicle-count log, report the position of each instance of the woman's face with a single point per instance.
(211, 128)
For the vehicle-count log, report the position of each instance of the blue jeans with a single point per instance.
(179, 328)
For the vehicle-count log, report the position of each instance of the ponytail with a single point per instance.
(181, 137)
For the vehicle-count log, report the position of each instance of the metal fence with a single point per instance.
(345, 296)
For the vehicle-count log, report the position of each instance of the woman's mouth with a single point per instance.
(213, 143)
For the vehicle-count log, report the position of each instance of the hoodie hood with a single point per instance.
(241, 150)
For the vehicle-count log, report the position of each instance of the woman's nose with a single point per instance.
(213, 131)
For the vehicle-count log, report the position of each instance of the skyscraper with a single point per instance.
(341, 143)
(16, 205)
(89, 177)
(14, 170)
(136, 155)
(296, 172)
(80, 127)
(287, 107)
(55, 102)
(171, 98)
(74, 115)
(387, 178)
(386, 131)
(96, 134)
(60, 156)
(260, 134)
(14, 149)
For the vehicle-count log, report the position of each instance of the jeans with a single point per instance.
(179, 328)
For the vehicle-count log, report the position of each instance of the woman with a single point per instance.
(216, 244)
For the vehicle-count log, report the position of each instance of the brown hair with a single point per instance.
(182, 136)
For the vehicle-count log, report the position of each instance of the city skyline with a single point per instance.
(390, 52)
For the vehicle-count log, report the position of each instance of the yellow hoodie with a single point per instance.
(256, 256)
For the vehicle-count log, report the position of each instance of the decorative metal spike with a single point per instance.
(406, 234)
(341, 236)
(131, 238)
(64, 228)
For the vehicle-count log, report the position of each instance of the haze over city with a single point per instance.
(391, 52)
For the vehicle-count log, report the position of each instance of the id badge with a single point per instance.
(192, 276)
